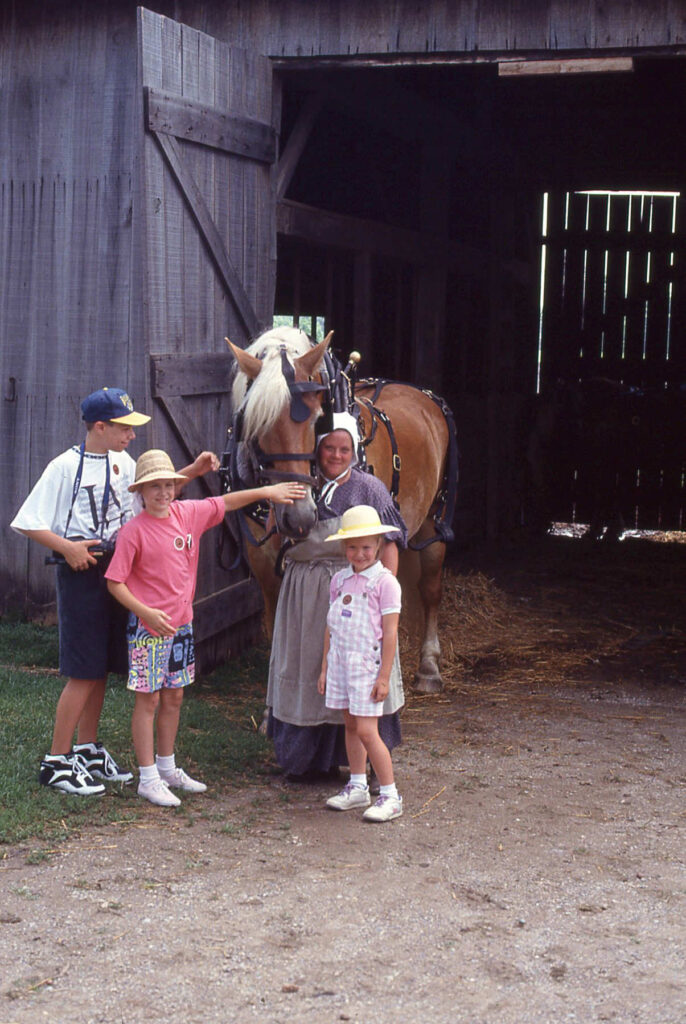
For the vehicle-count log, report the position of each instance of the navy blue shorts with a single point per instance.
(92, 624)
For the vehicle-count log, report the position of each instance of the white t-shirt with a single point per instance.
(47, 506)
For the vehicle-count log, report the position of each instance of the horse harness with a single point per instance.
(338, 385)
(444, 505)
(260, 462)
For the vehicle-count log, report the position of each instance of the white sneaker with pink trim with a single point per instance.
(385, 809)
(178, 779)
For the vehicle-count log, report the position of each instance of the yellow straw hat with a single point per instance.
(361, 521)
(154, 465)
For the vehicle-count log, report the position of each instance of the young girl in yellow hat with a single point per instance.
(359, 645)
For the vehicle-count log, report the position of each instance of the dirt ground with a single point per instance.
(537, 874)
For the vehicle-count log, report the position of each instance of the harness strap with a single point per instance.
(395, 457)
(444, 509)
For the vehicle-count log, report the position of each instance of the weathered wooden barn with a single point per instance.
(482, 196)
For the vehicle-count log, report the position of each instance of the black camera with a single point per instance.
(104, 548)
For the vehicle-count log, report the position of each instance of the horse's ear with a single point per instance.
(250, 365)
(310, 361)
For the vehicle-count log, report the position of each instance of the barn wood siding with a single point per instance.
(208, 243)
(354, 28)
(66, 192)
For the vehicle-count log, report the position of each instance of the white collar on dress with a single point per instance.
(371, 573)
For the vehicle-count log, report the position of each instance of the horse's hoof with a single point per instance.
(428, 684)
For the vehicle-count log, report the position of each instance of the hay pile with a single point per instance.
(493, 638)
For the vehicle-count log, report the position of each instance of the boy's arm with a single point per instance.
(156, 619)
(75, 552)
(281, 494)
(321, 682)
(206, 462)
(389, 639)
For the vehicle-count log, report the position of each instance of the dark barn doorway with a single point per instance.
(412, 224)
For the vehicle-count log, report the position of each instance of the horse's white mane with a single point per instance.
(269, 390)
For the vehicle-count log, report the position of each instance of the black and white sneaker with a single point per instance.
(67, 773)
(99, 763)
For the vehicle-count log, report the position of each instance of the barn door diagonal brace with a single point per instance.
(296, 143)
(208, 230)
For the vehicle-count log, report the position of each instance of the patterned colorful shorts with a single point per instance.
(156, 662)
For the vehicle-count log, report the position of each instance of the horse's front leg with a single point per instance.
(430, 584)
(263, 565)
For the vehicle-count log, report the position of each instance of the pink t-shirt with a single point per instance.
(157, 559)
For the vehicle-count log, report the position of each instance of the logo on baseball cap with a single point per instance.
(111, 405)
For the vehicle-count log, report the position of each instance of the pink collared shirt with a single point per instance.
(384, 598)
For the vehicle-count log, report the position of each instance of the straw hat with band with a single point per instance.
(154, 465)
(361, 521)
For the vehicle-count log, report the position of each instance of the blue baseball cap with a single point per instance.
(111, 405)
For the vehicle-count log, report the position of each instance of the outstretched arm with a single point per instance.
(280, 494)
(206, 462)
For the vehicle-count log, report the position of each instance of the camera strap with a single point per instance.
(77, 485)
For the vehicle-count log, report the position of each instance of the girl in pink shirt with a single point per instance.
(153, 574)
(359, 645)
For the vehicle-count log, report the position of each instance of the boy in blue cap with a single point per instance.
(75, 509)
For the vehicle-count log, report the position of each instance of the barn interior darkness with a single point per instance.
(505, 141)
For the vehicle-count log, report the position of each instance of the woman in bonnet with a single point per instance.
(309, 737)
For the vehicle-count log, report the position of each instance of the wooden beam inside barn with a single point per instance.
(576, 66)
(322, 227)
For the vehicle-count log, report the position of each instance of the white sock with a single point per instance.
(165, 764)
(149, 772)
(388, 790)
(359, 781)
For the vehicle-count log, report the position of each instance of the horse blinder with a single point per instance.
(299, 408)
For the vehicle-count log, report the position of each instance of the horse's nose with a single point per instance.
(297, 520)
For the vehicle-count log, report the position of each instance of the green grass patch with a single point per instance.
(217, 737)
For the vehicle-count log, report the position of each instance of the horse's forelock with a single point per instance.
(269, 390)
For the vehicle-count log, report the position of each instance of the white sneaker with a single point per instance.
(350, 796)
(158, 792)
(179, 780)
(385, 809)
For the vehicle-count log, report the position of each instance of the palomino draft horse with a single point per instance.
(279, 391)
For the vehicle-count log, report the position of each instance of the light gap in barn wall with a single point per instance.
(611, 311)
(541, 301)
(314, 326)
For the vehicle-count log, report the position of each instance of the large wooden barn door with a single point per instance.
(207, 254)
